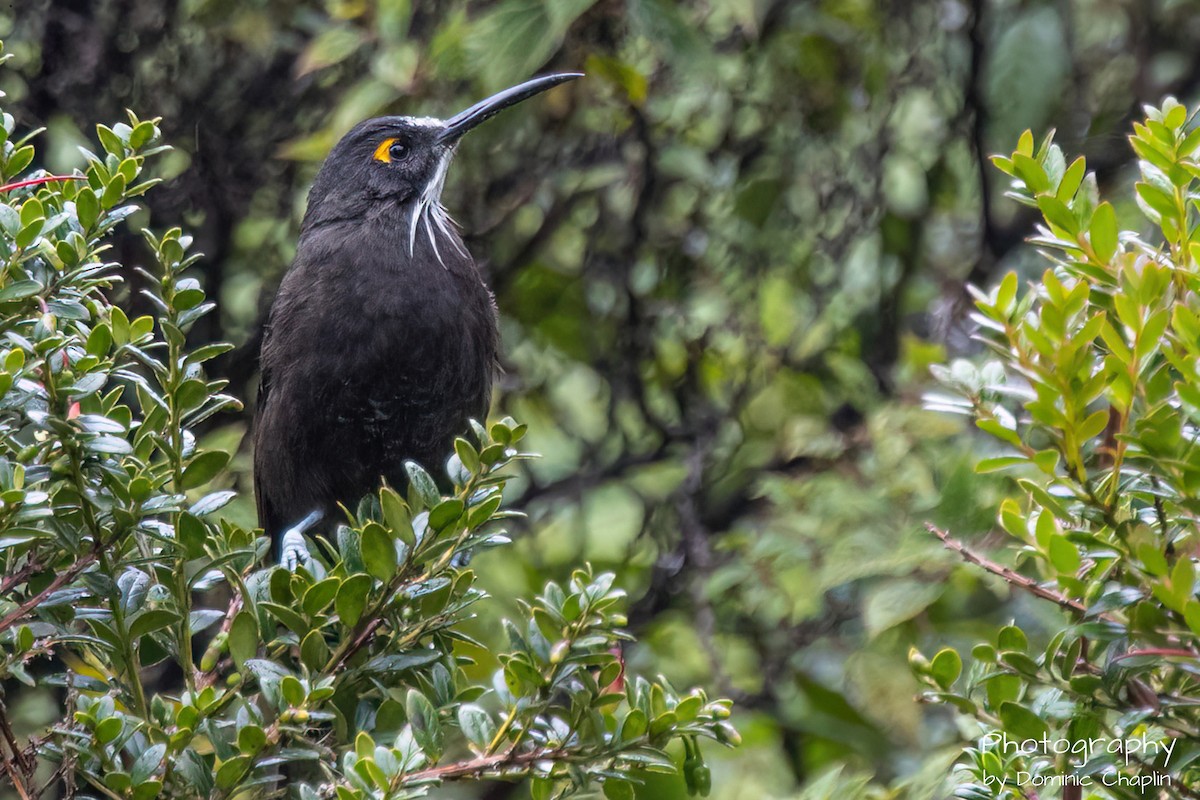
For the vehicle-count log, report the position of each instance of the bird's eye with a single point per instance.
(390, 150)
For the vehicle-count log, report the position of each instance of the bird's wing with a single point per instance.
(264, 391)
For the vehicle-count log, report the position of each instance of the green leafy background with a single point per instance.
(724, 264)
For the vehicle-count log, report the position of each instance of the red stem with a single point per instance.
(1157, 651)
(8, 187)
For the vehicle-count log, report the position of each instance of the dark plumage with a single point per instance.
(381, 342)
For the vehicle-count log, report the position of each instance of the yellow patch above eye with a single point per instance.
(381, 152)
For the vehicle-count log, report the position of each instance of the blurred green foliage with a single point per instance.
(342, 671)
(1094, 389)
(724, 263)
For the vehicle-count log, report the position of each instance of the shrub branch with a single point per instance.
(1009, 576)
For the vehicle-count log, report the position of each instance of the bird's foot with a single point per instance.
(293, 547)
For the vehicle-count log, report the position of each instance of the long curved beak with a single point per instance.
(484, 110)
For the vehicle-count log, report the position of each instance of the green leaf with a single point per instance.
(110, 141)
(424, 720)
(99, 340)
(32, 213)
(143, 133)
(320, 595)
(617, 789)
(378, 552)
(1025, 143)
(292, 691)
(1000, 432)
(1021, 722)
(1155, 199)
(476, 725)
(19, 160)
(114, 192)
(191, 393)
(1103, 232)
(10, 220)
(86, 386)
(243, 638)
(1012, 638)
(192, 535)
(1183, 581)
(208, 351)
(109, 729)
(1047, 528)
(422, 484)
(287, 616)
(1093, 426)
(87, 208)
(118, 781)
(152, 620)
(1152, 559)
(984, 652)
(1072, 178)
(987, 465)
(231, 772)
(211, 502)
(203, 468)
(444, 513)
(1057, 214)
(351, 598)
(19, 290)
(314, 652)
(945, 668)
(1031, 172)
(251, 739)
(467, 454)
(1011, 518)
(1003, 688)
(1150, 338)
(633, 726)
(1175, 114)
(147, 763)
(1191, 615)
(397, 515)
(541, 788)
(1006, 294)
(1064, 555)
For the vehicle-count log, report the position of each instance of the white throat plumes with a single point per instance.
(427, 211)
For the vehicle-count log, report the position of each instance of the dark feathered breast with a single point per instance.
(372, 356)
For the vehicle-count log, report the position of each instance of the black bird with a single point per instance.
(381, 341)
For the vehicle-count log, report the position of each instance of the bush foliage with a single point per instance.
(723, 263)
(185, 665)
(1093, 389)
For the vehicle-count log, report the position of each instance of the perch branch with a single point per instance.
(1012, 577)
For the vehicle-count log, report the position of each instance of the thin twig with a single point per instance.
(16, 761)
(60, 580)
(207, 679)
(20, 576)
(17, 783)
(59, 774)
(11, 740)
(359, 642)
(8, 187)
(479, 766)
(1009, 576)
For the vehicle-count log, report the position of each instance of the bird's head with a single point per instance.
(402, 161)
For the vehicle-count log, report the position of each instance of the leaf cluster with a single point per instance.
(190, 666)
(1092, 395)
